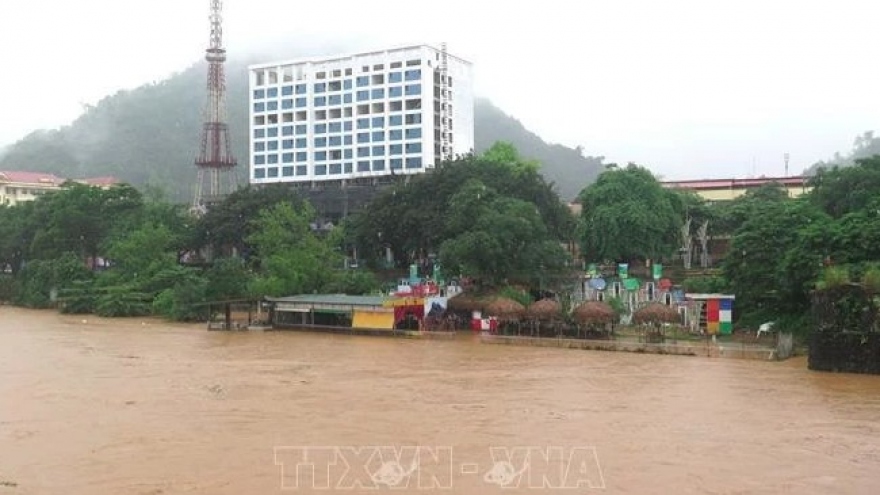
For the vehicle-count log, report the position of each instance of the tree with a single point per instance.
(627, 214)
(292, 258)
(839, 191)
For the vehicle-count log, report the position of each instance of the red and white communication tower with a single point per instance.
(215, 163)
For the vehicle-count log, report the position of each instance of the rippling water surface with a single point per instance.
(138, 406)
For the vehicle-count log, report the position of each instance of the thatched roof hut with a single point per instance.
(655, 314)
(591, 312)
(544, 309)
(466, 302)
(505, 309)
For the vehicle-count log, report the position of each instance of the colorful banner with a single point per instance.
(623, 270)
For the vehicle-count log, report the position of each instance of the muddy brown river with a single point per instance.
(138, 406)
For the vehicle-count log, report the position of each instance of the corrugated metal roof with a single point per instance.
(336, 299)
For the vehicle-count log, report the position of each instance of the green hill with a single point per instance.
(150, 135)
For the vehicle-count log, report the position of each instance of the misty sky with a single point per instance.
(692, 89)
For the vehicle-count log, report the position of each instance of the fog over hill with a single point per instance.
(150, 135)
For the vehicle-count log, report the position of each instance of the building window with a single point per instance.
(378, 122)
(363, 95)
(413, 89)
(300, 102)
(348, 154)
(335, 100)
(272, 159)
(395, 77)
(259, 173)
(301, 129)
(413, 75)
(300, 89)
(378, 151)
(320, 87)
(287, 91)
(378, 165)
(272, 93)
(287, 158)
(414, 162)
(363, 166)
(272, 172)
(321, 156)
(259, 94)
(395, 92)
(346, 84)
(272, 145)
(413, 118)
(272, 106)
(395, 149)
(347, 168)
(301, 143)
(378, 93)
(413, 148)
(363, 123)
(378, 136)
(287, 130)
(346, 98)
(336, 127)
(320, 128)
(346, 140)
(320, 101)
(414, 133)
(287, 171)
(259, 107)
(287, 144)
(272, 132)
(363, 152)
(302, 170)
(335, 154)
(259, 133)
(363, 81)
(335, 168)
(395, 135)
(395, 120)
(259, 160)
(286, 103)
(363, 137)
(301, 156)
(335, 140)
(335, 85)
(396, 163)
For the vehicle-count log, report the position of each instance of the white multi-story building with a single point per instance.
(389, 112)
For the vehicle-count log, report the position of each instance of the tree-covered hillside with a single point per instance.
(150, 135)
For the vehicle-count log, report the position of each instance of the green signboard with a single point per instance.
(657, 269)
(623, 270)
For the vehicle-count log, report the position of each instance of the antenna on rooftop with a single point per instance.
(786, 156)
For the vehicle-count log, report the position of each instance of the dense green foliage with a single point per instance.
(627, 215)
(117, 252)
(491, 216)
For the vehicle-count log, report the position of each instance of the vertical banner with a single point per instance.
(658, 271)
(623, 270)
(438, 275)
(413, 274)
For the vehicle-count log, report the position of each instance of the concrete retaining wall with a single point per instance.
(682, 348)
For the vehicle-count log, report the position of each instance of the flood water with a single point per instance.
(138, 406)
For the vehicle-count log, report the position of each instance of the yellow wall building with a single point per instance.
(17, 186)
(729, 189)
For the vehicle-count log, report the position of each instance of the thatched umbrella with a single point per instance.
(465, 302)
(592, 312)
(505, 309)
(544, 309)
(655, 314)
